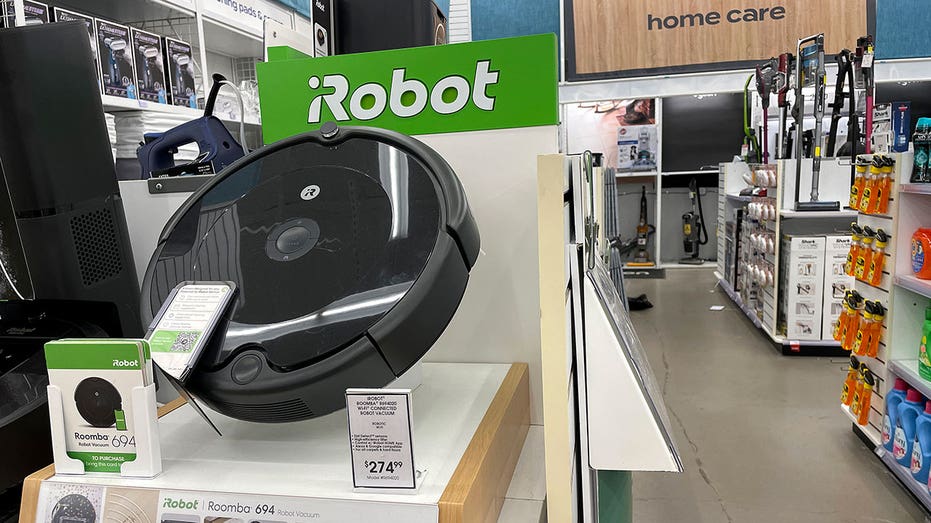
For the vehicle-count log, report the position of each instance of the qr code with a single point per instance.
(184, 342)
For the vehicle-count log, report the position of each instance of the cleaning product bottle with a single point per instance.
(875, 274)
(924, 360)
(881, 176)
(859, 181)
(853, 325)
(866, 397)
(904, 434)
(856, 234)
(893, 398)
(921, 447)
(920, 140)
(921, 253)
(879, 315)
(865, 254)
(853, 368)
(867, 199)
(888, 171)
(862, 339)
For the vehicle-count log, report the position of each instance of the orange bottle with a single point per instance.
(862, 339)
(866, 395)
(856, 235)
(888, 180)
(875, 273)
(859, 181)
(868, 196)
(864, 254)
(843, 319)
(853, 326)
(921, 253)
(858, 390)
(879, 316)
(853, 368)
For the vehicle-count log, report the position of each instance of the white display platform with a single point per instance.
(303, 469)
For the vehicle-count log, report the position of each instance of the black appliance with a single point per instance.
(363, 25)
(351, 249)
(66, 267)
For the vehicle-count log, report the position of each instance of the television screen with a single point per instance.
(701, 130)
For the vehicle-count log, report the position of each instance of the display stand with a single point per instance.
(148, 462)
(470, 421)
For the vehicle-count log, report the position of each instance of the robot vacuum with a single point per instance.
(97, 401)
(73, 508)
(351, 249)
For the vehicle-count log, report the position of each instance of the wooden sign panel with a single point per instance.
(623, 35)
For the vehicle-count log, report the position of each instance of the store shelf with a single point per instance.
(915, 188)
(644, 174)
(224, 39)
(843, 213)
(135, 11)
(908, 371)
(913, 284)
(116, 104)
(739, 198)
(737, 301)
(905, 477)
(868, 430)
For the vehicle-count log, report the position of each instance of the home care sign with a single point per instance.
(491, 84)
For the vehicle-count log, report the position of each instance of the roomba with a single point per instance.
(73, 508)
(351, 250)
(97, 401)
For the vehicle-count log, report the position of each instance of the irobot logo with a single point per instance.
(180, 503)
(405, 97)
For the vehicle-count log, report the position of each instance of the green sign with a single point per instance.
(491, 84)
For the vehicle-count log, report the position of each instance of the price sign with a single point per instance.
(380, 438)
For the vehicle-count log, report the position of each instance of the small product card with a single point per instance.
(185, 323)
(380, 438)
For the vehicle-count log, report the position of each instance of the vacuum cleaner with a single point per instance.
(810, 72)
(784, 69)
(750, 142)
(217, 146)
(863, 69)
(642, 255)
(766, 77)
(693, 227)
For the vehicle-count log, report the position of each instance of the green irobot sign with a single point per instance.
(491, 84)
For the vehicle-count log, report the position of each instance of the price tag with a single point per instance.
(380, 438)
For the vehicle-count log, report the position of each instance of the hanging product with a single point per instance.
(875, 273)
(810, 72)
(856, 235)
(750, 151)
(786, 64)
(921, 248)
(859, 180)
(858, 390)
(863, 67)
(351, 249)
(642, 255)
(853, 369)
(853, 323)
(766, 78)
(865, 326)
(861, 402)
(876, 330)
(868, 200)
(891, 413)
(885, 187)
(864, 253)
(693, 226)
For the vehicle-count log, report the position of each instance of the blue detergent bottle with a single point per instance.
(921, 447)
(904, 435)
(893, 398)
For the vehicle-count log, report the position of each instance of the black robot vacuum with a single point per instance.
(351, 249)
(97, 401)
(73, 508)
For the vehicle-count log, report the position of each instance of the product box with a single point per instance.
(116, 59)
(96, 378)
(636, 148)
(64, 15)
(149, 59)
(836, 282)
(901, 125)
(804, 280)
(882, 128)
(179, 59)
(33, 12)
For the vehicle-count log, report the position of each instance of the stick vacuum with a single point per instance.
(810, 71)
(693, 226)
(781, 83)
(766, 75)
(864, 63)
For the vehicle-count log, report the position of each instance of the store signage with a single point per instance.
(246, 15)
(492, 84)
(380, 438)
(623, 36)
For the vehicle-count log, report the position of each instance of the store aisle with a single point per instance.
(761, 435)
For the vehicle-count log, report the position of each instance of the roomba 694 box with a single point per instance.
(351, 249)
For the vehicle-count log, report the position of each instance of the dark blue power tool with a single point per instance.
(217, 146)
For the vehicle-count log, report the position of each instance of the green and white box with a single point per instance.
(96, 378)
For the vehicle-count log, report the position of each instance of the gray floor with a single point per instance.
(761, 435)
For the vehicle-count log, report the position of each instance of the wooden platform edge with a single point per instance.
(29, 503)
(477, 489)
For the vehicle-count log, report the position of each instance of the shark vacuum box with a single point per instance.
(116, 59)
(179, 60)
(150, 69)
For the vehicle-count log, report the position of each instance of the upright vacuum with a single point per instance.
(693, 227)
(642, 255)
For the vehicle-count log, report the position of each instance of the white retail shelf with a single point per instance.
(914, 284)
(635, 174)
(905, 476)
(867, 429)
(739, 302)
(915, 188)
(116, 104)
(843, 213)
(908, 371)
(739, 198)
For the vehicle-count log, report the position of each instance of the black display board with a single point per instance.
(918, 93)
(701, 130)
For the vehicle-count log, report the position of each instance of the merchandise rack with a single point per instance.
(729, 201)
